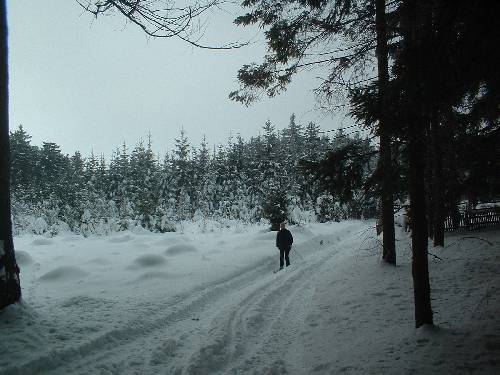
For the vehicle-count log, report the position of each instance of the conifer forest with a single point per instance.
(269, 177)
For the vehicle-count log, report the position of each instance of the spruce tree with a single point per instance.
(75, 191)
(183, 176)
(144, 184)
(165, 209)
(23, 163)
(203, 182)
(275, 182)
(119, 187)
(51, 169)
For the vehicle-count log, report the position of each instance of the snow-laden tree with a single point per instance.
(119, 187)
(23, 163)
(201, 162)
(235, 182)
(183, 176)
(144, 181)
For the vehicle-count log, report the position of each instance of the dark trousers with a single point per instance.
(284, 252)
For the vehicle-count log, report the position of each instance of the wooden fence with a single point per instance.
(474, 219)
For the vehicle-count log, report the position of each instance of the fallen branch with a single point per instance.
(435, 256)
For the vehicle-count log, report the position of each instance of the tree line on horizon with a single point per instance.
(267, 177)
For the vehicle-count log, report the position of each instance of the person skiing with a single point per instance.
(284, 241)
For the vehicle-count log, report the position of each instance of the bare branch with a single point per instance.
(161, 18)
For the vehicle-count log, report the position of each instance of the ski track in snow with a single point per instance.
(337, 309)
(234, 326)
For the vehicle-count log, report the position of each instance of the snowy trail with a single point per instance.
(188, 304)
(234, 325)
(150, 325)
(250, 333)
(245, 329)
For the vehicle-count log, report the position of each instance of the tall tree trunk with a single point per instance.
(414, 107)
(385, 166)
(420, 267)
(429, 183)
(452, 179)
(438, 185)
(10, 289)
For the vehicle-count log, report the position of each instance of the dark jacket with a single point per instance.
(284, 239)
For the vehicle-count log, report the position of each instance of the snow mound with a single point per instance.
(42, 242)
(23, 258)
(120, 239)
(64, 273)
(148, 260)
(180, 249)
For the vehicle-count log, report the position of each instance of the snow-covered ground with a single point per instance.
(209, 303)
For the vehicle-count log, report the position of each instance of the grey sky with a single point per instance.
(92, 84)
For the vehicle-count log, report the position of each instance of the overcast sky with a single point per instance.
(93, 84)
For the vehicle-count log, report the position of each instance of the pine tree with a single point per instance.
(166, 207)
(75, 192)
(23, 163)
(201, 162)
(312, 143)
(275, 182)
(275, 204)
(119, 172)
(238, 180)
(183, 176)
(254, 154)
(51, 168)
(144, 184)
(312, 148)
(292, 144)
(342, 177)
(90, 213)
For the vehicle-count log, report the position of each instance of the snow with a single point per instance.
(64, 273)
(208, 303)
